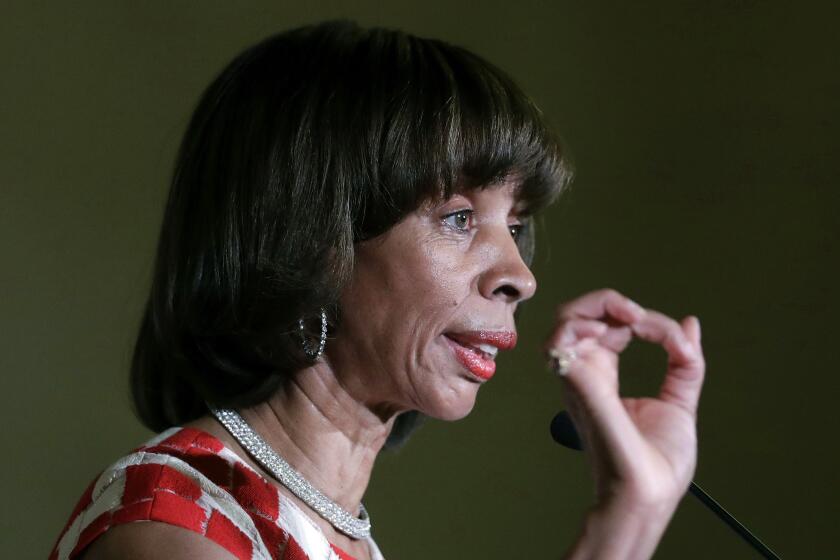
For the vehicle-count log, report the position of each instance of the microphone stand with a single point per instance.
(564, 432)
(730, 520)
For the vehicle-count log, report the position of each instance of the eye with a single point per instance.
(459, 220)
(515, 230)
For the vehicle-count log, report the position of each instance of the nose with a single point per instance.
(506, 277)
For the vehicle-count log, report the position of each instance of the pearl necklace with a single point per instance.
(340, 518)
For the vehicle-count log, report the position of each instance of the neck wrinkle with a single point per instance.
(328, 436)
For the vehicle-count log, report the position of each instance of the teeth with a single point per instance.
(488, 349)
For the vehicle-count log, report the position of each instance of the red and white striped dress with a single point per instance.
(188, 478)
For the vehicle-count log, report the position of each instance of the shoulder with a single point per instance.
(187, 489)
(146, 541)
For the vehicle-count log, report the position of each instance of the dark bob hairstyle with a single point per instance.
(307, 143)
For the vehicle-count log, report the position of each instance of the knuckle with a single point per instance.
(674, 327)
(610, 293)
(673, 334)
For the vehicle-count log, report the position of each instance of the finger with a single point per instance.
(594, 402)
(572, 330)
(592, 373)
(617, 338)
(684, 381)
(661, 329)
(601, 304)
(691, 326)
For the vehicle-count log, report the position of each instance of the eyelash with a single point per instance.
(515, 229)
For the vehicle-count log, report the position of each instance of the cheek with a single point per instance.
(444, 277)
(414, 294)
(405, 295)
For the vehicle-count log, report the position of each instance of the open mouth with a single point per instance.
(487, 351)
(477, 357)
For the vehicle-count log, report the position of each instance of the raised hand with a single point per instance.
(643, 451)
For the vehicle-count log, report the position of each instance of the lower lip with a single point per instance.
(481, 367)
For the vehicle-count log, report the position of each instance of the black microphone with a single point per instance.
(564, 432)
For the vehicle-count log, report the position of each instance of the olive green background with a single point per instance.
(704, 136)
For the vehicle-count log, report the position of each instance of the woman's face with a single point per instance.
(429, 303)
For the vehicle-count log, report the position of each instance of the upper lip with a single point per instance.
(503, 340)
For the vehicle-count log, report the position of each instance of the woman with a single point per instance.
(343, 252)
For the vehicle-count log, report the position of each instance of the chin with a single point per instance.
(451, 416)
(454, 405)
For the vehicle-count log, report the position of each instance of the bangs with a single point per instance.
(453, 122)
(305, 143)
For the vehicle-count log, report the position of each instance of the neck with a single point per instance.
(328, 435)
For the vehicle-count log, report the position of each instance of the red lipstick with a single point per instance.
(503, 340)
(476, 350)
